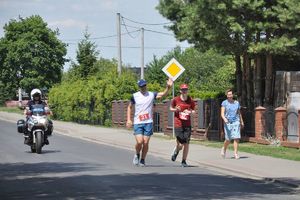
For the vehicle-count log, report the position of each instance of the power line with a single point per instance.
(103, 37)
(149, 30)
(138, 47)
(131, 26)
(131, 47)
(143, 23)
(127, 30)
(159, 32)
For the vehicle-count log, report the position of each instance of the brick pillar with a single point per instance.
(166, 111)
(259, 121)
(194, 122)
(124, 117)
(280, 118)
(299, 127)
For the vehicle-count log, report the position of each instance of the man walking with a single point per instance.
(143, 120)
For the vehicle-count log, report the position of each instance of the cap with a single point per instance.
(142, 83)
(184, 86)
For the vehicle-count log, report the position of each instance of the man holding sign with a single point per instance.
(143, 120)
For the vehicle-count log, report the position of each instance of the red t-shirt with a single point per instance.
(181, 119)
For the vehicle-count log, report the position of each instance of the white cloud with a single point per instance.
(68, 23)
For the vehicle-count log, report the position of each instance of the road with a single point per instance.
(71, 168)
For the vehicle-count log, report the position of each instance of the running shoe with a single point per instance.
(136, 159)
(184, 164)
(174, 154)
(142, 163)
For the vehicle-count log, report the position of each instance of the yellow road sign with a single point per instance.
(173, 69)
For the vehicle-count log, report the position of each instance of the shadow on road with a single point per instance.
(77, 181)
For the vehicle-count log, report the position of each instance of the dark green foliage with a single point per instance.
(257, 31)
(31, 56)
(86, 58)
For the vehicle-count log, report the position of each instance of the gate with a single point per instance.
(249, 122)
(269, 123)
(293, 126)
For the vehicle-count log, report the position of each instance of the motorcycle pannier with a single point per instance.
(21, 126)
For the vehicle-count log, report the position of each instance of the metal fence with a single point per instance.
(249, 122)
(269, 122)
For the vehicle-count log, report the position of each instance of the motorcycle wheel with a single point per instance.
(39, 142)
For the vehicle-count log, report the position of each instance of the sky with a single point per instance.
(99, 17)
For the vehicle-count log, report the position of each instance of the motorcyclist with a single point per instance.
(36, 98)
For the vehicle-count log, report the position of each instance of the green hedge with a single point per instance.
(90, 100)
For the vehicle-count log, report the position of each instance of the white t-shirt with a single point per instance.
(143, 107)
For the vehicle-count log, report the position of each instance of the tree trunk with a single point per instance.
(258, 83)
(251, 85)
(269, 81)
(244, 85)
(246, 67)
(238, 75)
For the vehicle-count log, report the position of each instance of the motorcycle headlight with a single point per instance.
(35, 121)
(42, 120)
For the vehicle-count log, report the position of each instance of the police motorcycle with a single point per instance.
(37, 127)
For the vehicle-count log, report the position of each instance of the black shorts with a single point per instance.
(183, 134)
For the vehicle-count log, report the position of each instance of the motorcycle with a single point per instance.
(37, 128)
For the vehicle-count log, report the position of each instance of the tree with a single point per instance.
(89, 100)
(86, 57)
(200, 69)
(31, 55)
(252, 30)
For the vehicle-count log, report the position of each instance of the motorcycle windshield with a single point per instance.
(38, 109)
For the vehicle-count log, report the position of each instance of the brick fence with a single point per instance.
(207, 123)
(202, 127)
(16, 103)
(280, 127)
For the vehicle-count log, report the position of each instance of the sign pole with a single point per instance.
(173, 94)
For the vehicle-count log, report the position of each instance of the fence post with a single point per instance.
(299, 128)
(259, 121)
(280, 128)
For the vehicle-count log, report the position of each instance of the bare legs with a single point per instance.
(185, 148)
(142, 144)
(235, 147)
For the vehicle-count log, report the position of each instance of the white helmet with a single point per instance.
(34, 92)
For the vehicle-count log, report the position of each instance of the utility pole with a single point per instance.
(142, 53)
(20, 96)
(119, 43)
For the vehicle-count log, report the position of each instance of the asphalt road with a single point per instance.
(71, 168)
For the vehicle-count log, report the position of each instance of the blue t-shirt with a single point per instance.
(231, 110)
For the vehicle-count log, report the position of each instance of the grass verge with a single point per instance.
(259, 149)
(11, 110)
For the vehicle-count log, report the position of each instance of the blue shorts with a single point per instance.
(143, 129)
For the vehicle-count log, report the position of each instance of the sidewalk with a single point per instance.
(249, 165)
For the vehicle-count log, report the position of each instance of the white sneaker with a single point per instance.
(136, 159)
(236, 156)
(174, 154)
(223, 153)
